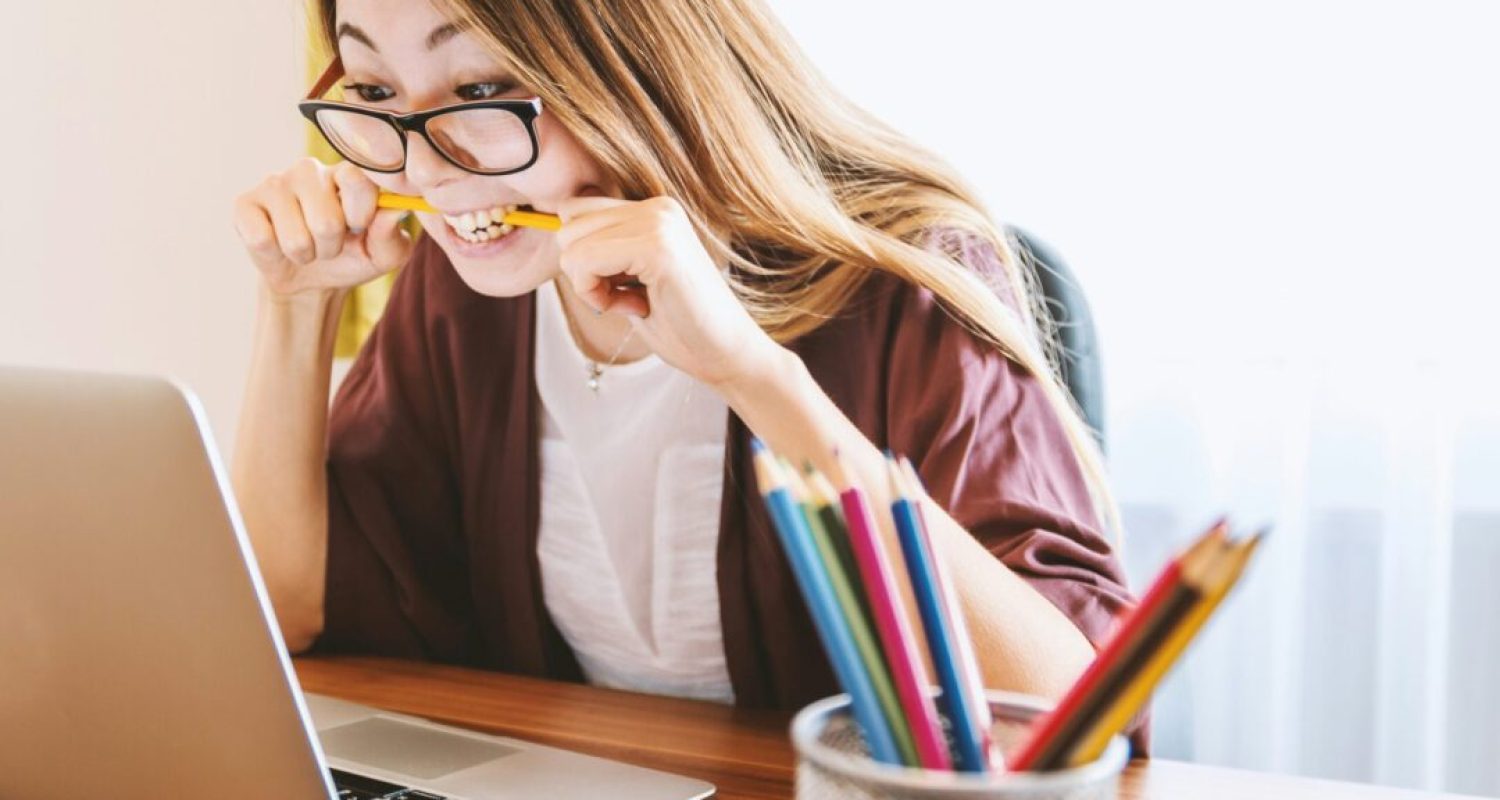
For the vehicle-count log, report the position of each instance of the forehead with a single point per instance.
(399, 29)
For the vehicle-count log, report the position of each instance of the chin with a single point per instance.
(506, 267)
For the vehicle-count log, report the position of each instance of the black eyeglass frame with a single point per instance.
(527, 110)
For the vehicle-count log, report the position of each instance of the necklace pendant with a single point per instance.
(594, 372)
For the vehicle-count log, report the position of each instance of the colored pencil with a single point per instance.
(826, 501)
(1216, 584)
(1049, 736)
(973, 695)
(823, 605)
(969, 743)
(903, 656)
(859, 624)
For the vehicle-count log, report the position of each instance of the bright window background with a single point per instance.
(1285, 215)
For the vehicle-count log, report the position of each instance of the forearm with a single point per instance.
(1024, 643)
(279, 456)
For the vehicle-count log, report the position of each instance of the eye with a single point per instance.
(370, 93)
(483, 91)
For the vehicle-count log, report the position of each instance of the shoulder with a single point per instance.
(898, 341)
(909, 324)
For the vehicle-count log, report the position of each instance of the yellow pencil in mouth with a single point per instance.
(525, 219)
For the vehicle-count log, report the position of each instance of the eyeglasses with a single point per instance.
(486, 137)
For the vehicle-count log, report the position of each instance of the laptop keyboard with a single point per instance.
(360, 787)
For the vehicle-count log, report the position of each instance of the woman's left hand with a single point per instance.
(683, 307)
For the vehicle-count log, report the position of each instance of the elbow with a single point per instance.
(301, 632)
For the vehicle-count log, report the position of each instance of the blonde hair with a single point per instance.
(799, 191)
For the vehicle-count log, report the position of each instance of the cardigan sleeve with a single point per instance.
(394, 573)
(991, 450)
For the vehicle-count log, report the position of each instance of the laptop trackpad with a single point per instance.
(413, 750)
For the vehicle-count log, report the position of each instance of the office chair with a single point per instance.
(1077, 342)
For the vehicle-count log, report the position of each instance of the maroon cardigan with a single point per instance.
(433, 482)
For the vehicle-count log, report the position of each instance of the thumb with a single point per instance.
(386, 241)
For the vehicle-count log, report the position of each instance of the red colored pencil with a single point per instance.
(1046, 733)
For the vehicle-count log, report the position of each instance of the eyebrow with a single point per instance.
(439, 35)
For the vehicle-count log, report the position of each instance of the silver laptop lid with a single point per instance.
(137, 653)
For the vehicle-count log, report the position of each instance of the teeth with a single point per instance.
(481, 226)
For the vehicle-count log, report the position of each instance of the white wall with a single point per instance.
(128, 129)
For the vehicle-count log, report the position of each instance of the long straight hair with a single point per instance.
(801, 193)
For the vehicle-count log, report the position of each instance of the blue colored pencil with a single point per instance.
(970, 740)
(817, 590)
(826, 526)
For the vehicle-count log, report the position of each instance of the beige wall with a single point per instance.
(128, 128)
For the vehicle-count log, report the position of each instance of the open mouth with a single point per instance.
(485, 225)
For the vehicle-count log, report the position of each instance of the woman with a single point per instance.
(539, 462)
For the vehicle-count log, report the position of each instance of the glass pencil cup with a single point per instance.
(832, 762)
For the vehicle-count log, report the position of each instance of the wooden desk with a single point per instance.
(745, 753)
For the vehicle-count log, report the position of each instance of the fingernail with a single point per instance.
(357, 231)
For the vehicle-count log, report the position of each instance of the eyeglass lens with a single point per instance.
(487, 139)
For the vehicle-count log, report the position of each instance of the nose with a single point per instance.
(425, 166)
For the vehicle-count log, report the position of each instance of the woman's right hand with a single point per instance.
(315, 228)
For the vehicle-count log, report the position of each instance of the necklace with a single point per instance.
(595, 370)
(592, 368)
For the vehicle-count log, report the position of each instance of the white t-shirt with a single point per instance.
(632, 477)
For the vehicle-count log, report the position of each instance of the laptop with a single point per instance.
(139, 657)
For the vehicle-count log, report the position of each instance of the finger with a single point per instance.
(357, 196)
(587, 204)
(582, 216)
(387, 242)
(320, 208)
(590, 264)
(292, 236)
(255, 230)
(628, 300)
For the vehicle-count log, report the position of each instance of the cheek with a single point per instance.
(563, 168)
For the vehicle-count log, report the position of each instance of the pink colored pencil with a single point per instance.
(908, 670)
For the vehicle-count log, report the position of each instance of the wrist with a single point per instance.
(306, 321)
(308, 303)
(760, 368)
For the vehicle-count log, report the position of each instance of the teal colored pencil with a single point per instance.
(833, 630)
(860, 625)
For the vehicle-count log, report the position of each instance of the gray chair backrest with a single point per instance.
(1078, 344)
